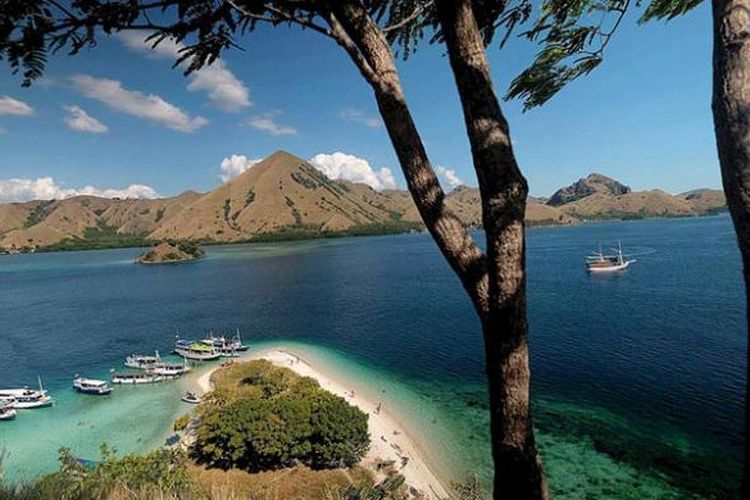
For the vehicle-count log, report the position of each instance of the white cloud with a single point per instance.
(45, 188)
(150, 107)
(234, 165)
(267, 123)
(357, 115)
(78, 119)
(351, 168)
(10, 106)
(225, 91)
(450, 176)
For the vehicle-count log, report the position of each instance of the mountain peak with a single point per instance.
(592, 183)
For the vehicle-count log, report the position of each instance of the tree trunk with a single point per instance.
(359, 35)
(518, 472)
(731, 110)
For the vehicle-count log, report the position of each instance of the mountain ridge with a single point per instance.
(284, 196)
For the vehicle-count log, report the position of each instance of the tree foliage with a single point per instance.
(264, 418)
(573, 35)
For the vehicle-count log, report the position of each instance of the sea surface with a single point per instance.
(637, 377)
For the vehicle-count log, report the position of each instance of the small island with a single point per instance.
(171, 252)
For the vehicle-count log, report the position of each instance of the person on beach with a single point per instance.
(377, 410)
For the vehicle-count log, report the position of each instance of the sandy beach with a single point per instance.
(388, 439)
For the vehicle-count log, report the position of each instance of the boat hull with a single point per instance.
(9, 414)
(197, 355)
(608, 269)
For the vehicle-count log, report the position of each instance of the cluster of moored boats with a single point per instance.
(144, 369)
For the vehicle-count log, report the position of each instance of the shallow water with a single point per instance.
(638, 377)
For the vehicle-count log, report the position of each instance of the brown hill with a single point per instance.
(592, 184)
(705, 201)
(281, 193)
(39, 224)
(285, 196)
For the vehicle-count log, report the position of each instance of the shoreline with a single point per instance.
(388, 438)
(283, 239)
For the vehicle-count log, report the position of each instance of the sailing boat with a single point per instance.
(26, 398)
(600, 263)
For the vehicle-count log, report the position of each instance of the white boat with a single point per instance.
(7, 412)
(600, 263)
(196, 351)
(91, 386)
(137, 378)
(227, 347)
(191, 397)
(142, 362)
(25, 398)
(170, 370)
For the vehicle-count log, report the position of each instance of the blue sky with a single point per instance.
(642, 117)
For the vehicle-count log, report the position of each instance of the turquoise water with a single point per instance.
(637, 378)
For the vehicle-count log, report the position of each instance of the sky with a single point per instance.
(119, 121)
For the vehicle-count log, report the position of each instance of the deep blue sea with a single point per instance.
(637, 377)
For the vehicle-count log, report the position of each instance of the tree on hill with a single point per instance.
(370, 32)
(574, 36)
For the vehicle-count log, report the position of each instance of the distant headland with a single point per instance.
(284, 197)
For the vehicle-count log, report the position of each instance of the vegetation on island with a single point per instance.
(168, 252)
(260, 417)
(264, 432)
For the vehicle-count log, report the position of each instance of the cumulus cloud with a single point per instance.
(357, 115)
(449, 176)
(150, 107)
(225, 91)
(10, 106)
(78, 119)
(267, 123)
(351, 168)
(45, 188)
(234, 165)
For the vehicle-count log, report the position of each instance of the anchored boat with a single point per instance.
(227, 347)
(191, 397)
(91, 386)
(600, 263)
(137, 378)
(7, 412)
(141, 362)
(196, 351)
(25, 398)
(170, 370)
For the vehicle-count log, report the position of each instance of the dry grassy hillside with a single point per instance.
(281, 193)
(285, 197)
(40, 224)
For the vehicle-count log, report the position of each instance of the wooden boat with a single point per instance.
(600, 263)
(25, 398)
(196, 351)
(137, 378)
(142, 362)
(91, 386)
(170, 370)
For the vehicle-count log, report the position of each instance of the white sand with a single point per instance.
(388, 440)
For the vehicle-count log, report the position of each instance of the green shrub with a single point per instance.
(181, 423)
(261, 418)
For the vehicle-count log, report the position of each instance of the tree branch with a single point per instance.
(409, 19)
